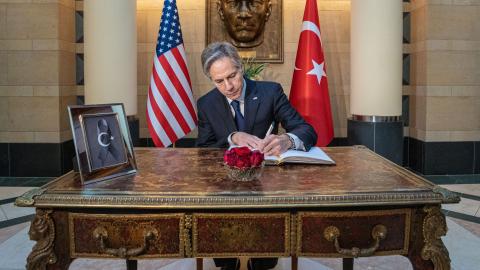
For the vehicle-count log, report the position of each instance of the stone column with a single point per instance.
(110, 53)
(110, 49)
(376, 77)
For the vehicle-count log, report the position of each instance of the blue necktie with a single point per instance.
(238, 115)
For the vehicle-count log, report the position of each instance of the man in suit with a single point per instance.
(258, 105)
(239, 111)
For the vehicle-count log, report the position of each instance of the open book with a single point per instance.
(314, 156)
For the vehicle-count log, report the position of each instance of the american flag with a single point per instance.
(171, 112)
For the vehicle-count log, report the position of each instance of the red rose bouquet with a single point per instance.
(243, 164)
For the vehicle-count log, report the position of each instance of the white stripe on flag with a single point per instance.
(158, 98)
(172, 91)
(186, 86)
(181, 49)
(156, 125)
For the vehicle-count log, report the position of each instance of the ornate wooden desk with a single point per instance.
(181, 205)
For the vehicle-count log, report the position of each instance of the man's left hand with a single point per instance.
(275, 145)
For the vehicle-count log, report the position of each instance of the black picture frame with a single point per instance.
(103, 144)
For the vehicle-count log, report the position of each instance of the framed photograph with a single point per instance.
(102, 142)
(254, 27)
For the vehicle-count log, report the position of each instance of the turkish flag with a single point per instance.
(309, 92)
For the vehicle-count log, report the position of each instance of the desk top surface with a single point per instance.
(196, 178)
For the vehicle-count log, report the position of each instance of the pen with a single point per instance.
(270, 129)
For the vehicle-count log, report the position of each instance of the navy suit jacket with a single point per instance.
(265, 102)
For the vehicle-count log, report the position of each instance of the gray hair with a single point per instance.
(217, 50)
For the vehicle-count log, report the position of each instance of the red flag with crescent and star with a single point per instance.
(309, 92)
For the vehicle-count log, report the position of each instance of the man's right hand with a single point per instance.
(245, 139)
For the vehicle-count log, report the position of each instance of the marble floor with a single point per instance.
(462, 239)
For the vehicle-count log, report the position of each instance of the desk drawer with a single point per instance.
(316, 233)
(132, 236)
(255, 234)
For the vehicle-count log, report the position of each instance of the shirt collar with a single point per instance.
(241, 99)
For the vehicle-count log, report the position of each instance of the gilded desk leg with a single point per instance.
(294, 262)
(132, 264)
(199, 263)
(347, 263)
(42, 230)
(428, 250)
(434, 227)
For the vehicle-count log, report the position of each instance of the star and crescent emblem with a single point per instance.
(318, 68)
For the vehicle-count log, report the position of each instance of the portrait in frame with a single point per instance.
(254, 27)
(102, 141)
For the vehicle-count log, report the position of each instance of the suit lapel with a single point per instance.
(252, 102)
(223, 109)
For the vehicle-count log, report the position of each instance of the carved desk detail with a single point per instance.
(42, 230)
(180, 204)
(434, 227)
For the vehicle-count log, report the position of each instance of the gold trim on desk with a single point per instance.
(286, 233)
(146, 217)
(403, 251)
(235, 202)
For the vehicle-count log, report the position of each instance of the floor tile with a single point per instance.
(383, 263)
(12, 211)
(3, 217)
(15, 250)
(8, 232)
(466, 206)
(173, 264)
(12, 192)
(472, 227)
(95, 264)
(463, 246)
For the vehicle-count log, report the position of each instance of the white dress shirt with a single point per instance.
(298, 143)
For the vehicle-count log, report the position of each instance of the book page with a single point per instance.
(315, 155)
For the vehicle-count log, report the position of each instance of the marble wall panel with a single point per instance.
(3, 21)
(453, 114)
(66, 15)
(16, 45)
(417, 114)
(193, 25)
(4, 108)
(32, 21)
(65, 101)
(33, 68)
(453, 22)
(33, 114)
(141, 25)
(16, 91)
(66, 68)
(3, 68)
(418, 68)
(453, 67)
(17, 137)
(418, 30)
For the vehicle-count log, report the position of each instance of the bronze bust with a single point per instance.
(245, 20)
